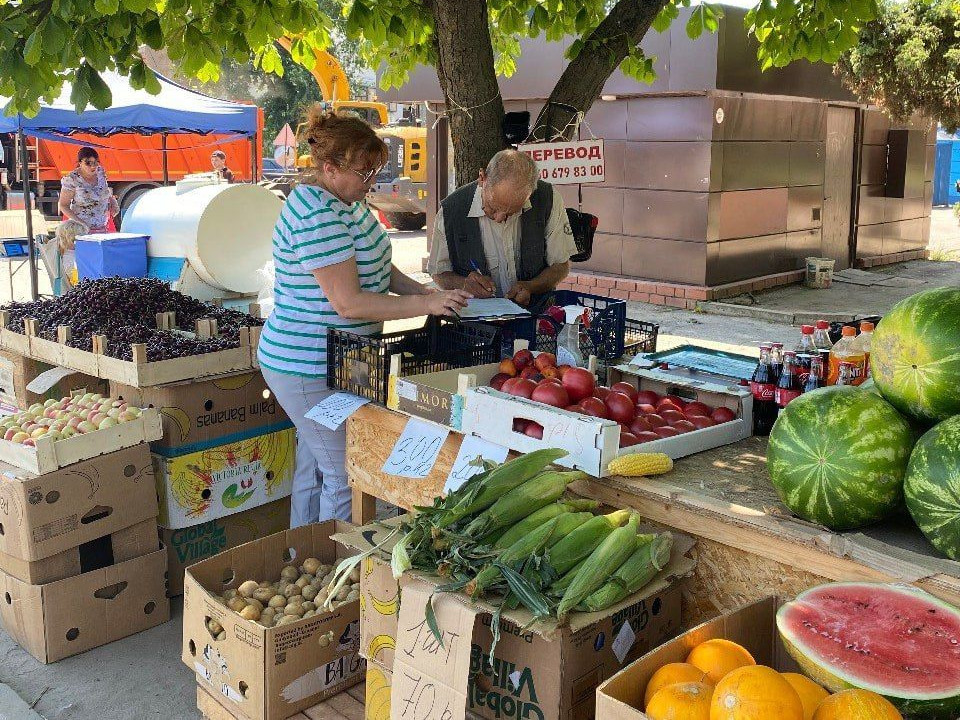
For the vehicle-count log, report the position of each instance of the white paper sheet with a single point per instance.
(479, 308)
(416, 451)
(334, 410)
(466, 464)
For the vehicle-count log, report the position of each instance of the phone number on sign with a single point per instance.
(575, 171)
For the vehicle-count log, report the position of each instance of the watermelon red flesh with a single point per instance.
(893, 639)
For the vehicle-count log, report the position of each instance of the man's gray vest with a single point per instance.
(465, 243)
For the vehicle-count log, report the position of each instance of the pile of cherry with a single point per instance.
(643, 415)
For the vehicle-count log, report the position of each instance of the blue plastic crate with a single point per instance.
(15, 248)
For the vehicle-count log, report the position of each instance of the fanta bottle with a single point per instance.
(846, 350)
(863, 342)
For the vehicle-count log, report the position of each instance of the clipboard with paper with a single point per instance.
(494, 308)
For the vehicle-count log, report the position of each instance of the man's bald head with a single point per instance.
(508, 182)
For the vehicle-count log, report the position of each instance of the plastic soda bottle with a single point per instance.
(821, 335)
(862, 343)
(846, 372)
(846, 350)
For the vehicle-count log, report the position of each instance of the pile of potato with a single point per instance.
(301, 592)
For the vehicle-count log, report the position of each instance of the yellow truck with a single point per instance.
(400, 191)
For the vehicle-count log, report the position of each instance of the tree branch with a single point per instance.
(603, 50)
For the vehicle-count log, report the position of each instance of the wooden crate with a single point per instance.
(137, 372)
(48, 455)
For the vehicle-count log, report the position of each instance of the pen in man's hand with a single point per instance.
(478, 271)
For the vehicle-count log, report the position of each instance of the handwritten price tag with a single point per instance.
(333, 410)
(469, 462)
(417, 450)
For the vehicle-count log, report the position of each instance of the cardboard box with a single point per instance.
(43, 515)
(17, 371)
(71, 616)
(270, 673)
(126, 544)
(224, 480)
(200, 415)
(539, 670)
(462, 400)
(48, 454)
(754, 626)
(198, 542)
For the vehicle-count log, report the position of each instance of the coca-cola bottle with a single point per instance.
(788, 385)
(815, 376)
(763, 386)
(776, 359)
(805, 348)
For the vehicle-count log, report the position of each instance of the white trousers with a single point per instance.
(320, 489)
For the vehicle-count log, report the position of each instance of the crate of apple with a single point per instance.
(643, 415)
(61, 419)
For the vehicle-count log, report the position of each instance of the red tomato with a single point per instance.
(670, 415)
(655, 420)
(648, 396)
(678, 401)
(594, 407)
(522, 358)
(702, 422)
(627, 439)
(522, 388)
(531, 373)
(520, 425)
(666, 431)
(640, 424)
(619, 407)
(668, 403)
(601, 391)
(645, 409)
(550, 393)
(647, 436)
(683, 426)
(497, 381)
(627, 389)
(508, 385)
(545, 360)
(579, 383)
(574, 408)
(722, 415)
(696, 408)
(534, 430)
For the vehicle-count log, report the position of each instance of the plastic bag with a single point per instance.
(265, 296)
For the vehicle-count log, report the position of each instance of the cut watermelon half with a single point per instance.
(896, 640)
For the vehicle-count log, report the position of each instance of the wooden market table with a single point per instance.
(748, 544)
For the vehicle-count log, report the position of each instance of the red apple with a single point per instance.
(522, 387)
(550, 393)
(722, 415)
(627, 389)
(594, 407)
(648, 397)
(507, 367)
(550, 372)
(696, 408)
(497, 381)
(534, 430)
(531, 373)
(574, 408)
(522, 358)
(601, 392)
(619, 407)
(545, 360)
(579, 383)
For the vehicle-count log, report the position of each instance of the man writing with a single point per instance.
(505, 234)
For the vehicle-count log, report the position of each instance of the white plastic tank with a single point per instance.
(224, 231)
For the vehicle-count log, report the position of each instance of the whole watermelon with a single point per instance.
(932, 486)
(915, 355)
(837, 457)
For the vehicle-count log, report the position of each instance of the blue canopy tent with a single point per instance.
(175, 110)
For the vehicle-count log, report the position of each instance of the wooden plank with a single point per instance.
(363, 507)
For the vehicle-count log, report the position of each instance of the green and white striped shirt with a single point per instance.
(315, 230)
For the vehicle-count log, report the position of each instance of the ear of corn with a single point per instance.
(647, 560)
(600, 566)
(499, 481)
(541, 490)
(581, 504)
(530, 544)
(567, 551)
(640, 464)
(560, 586)
(507, 538)
(568, 522)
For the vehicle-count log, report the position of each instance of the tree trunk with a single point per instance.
(604, 49)
(466, 72)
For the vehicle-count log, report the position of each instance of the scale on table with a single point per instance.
(693, 361)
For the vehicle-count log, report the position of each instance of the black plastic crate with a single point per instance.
(639, 337)
(360, 364)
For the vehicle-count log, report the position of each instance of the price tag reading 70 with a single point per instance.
(417, 449)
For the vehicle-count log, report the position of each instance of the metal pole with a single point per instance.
(31, 241)
(163, 152)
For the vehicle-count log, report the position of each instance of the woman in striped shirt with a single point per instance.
(333, 269)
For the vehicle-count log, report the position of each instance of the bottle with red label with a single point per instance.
(776, 359)
(788, 385)
(805, 349)
(763, 387)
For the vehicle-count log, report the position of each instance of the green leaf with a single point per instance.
(80, 90)
(100, 95)
(152, 34)
(695, 24)
(431, 618)
(106, 7)
(33, 48)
